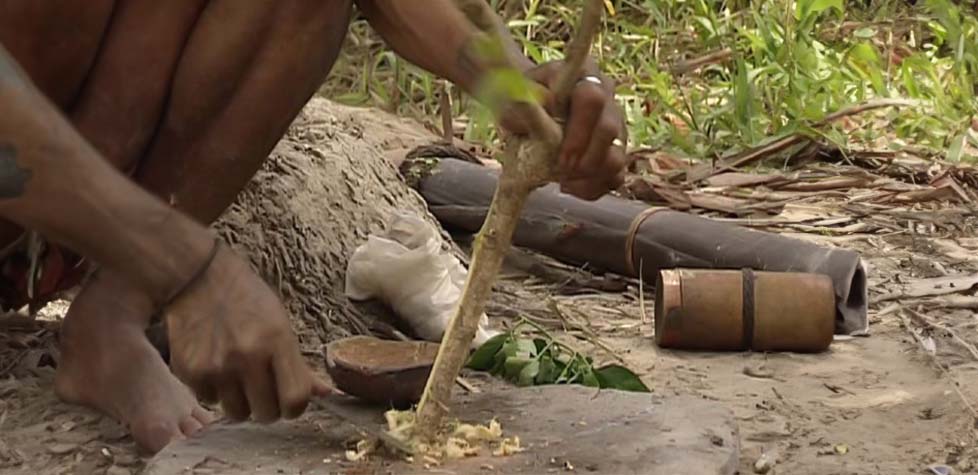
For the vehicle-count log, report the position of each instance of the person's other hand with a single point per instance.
(231, 341)
(592, 157)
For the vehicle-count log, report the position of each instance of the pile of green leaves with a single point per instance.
(529, 361)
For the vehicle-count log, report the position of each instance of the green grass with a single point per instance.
(790, 63)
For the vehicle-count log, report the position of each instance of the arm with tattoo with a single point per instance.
(53, 181)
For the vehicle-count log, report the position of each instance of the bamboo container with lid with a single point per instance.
(729, 310)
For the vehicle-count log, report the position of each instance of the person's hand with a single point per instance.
(592, 156)
(231, 341)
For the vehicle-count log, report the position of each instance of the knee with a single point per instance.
(316, 17)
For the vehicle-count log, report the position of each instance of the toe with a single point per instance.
(190, 426)
(154, 435)
(203, 416)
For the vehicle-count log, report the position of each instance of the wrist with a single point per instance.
(188, 283)
(174, 254)
(473, 66)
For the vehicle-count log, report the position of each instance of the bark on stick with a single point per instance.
(527, 165)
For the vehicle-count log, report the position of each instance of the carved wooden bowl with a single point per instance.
(390, 373)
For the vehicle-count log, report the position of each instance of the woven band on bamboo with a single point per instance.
(748, 308)
(630, 237)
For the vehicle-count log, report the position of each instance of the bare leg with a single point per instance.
(231, 102)
(233, 99)
(50, 179)
(235, 335)
(107, 361)
(109, 364)
(234, 94)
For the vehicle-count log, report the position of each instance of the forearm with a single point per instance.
(53, 181)
(434, 35)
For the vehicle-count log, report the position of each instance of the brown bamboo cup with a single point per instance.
(730, 310)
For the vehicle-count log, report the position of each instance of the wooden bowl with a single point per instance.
(390, 373)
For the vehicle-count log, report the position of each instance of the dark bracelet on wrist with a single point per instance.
(189, 284)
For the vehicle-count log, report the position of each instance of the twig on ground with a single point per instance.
(794, 407)
(920, 317)
(967, 303)
(765, 150)
(892, 308)
(445, 109)
(566, 345)
(685, 66)
(947, 372)
(641, 291)
(587, 332)
(838, 389)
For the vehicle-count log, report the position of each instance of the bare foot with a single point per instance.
(109, 364)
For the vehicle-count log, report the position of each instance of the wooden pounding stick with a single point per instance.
(527, 165)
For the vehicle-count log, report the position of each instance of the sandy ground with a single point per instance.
(876, 405)
(872, 405)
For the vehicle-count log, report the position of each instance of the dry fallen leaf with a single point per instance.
(835, 183)
(739, 179)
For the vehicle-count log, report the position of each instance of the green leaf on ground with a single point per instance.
(484, 357)
(543, 360)
(620, 377)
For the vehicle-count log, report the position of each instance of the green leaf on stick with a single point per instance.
(501, 86)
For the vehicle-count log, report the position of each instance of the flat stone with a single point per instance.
(561, 427)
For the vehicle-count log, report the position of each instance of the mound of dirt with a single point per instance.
(328, 184)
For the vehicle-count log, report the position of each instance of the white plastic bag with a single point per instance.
(407, 269)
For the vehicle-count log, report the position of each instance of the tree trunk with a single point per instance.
(328, 184)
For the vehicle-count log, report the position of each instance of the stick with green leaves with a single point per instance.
(527, 165)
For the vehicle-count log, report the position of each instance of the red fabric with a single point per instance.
(59, 269)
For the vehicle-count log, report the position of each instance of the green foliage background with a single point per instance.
(789, 64)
